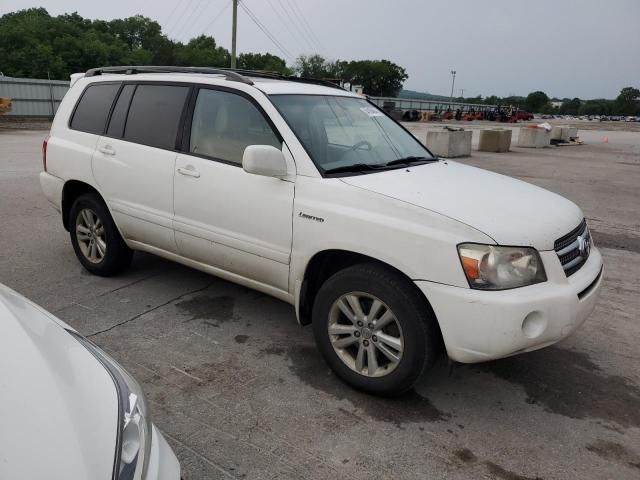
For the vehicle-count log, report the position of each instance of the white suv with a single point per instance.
(311, 194)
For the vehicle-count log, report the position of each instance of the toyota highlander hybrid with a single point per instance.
(69, 411)
(310, 193)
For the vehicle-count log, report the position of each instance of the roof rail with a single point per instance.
(279, 76)
(134, 69)
(236, 75)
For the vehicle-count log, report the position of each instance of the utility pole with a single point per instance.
(234, 31)
(453, 82)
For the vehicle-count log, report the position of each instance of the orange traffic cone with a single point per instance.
(606, 139)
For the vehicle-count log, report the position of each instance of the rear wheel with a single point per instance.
(373, 329)
(95, 238)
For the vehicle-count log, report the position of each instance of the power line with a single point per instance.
(266, 31)
(178, 3)
(217, 17)
(291, 25)
(180, 16)
(189, 19)
(298, 13)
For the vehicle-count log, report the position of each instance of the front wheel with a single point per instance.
(373, 329)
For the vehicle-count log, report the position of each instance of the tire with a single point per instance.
(110, 255)
(415, 326)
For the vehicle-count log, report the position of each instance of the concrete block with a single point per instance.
(449, 144)
(533, 137)
(495, 140)
(564, 133)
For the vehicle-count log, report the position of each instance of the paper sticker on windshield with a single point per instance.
(372, 112)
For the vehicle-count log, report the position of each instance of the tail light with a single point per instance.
(44, 152)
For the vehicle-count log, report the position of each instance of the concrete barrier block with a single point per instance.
(564, 133)
(495, 140)
(449, 144)
(533, 137)
(560, 134)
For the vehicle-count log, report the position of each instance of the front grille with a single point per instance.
(573, 248)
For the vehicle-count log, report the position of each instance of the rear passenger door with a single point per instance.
(224, 216)
(134, 161)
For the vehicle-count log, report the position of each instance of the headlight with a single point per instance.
(489, 267)
(134, 427)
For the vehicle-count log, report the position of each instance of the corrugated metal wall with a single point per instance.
(31, 96)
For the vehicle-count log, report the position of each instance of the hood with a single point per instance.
(510, 211)
(59, 404)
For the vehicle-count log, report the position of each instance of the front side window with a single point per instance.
(224, 124)
(93, 109)
(343, 132)
(154, 115)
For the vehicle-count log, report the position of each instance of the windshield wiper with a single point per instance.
(409, 160)
(357, 167)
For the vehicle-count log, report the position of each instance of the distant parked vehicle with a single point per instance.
(521, 115)
(67, 409)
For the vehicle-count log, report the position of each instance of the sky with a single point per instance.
(566, 48)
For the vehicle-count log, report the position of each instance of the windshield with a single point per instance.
(348, 134)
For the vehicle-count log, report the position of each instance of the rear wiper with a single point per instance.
(411, 159)
(357, 167)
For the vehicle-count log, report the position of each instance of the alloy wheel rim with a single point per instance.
(365, 334)
(91, 236)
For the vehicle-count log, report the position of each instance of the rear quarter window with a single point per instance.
(93, 108)
(119, 115)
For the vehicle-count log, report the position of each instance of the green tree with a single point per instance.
(570, 107)
(535, 101)
(314, 66)
(627, 101)
(202, 51)
(548, 108)
(263, 61)
(596, 107)
(380, 78)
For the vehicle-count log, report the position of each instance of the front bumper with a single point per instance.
(481, 325)
(163, 464)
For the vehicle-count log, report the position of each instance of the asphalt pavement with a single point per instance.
(240, 391)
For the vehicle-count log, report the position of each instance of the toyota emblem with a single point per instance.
(584, 245)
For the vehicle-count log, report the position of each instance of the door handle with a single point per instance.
(188, 171)
(107, 150)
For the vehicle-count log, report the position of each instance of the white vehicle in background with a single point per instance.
(312, 194)
(67, 409)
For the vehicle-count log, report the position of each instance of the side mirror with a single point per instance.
(264, 160)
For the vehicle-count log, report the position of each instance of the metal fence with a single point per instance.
(31, 97)
(405, 104)
(40, 98)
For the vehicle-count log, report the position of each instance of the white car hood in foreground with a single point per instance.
(510, 211)
(58, 404)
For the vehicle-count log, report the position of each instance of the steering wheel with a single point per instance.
(362, 143)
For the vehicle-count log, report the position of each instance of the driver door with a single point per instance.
(225, 217)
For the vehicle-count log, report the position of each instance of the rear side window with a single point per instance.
(154, 115)
(119, 115)
(93, 108)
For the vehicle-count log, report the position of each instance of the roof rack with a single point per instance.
(279, 76)
(134, 69)
(235, 75)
